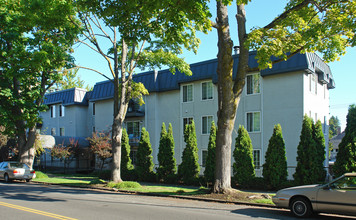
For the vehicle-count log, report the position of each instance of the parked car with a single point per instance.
(12, 170)
(337, 197)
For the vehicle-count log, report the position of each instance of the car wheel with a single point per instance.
(6, 178)
(301, 207)
(28, 180)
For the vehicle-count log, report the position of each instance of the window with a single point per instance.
(61, 131)
(253, 84)
(204, 157)
(94, 130)
(53, 131)
(186, 121)
(53, 111)
(253, 122)
(206, 124)
(313, 83)
(207, 90)
(133, 129)
(93, 108)
(61, 110)
(187, 93)
(257, 158)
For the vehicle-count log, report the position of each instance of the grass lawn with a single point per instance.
(201, 192)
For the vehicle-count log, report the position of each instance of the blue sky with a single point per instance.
(259, 13)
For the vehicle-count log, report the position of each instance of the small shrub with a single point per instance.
(124, 185)
(40, 175)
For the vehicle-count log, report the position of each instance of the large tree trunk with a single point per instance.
(120, 109)
(28, 151)
(229, 94)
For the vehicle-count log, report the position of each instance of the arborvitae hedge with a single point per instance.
(346, 157)
(189, 169)
(144, 164)
(209, 172)
(167, 162)
(126, 164)
(318, 135)
(306, 155)
(243, 167)
(275, 168)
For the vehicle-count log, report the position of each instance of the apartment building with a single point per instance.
(282, 94)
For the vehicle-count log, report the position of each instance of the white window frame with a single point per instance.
(53, 131)
(192, 98)
(313, 83)
(257, 164)
(247, 122)
(61, 110)
(253, 85)
(53, 111)
(206, 117)
(207, 91)
(189, 121)
(61, 132)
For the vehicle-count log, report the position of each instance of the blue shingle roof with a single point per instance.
(164, 80)
(74, 96)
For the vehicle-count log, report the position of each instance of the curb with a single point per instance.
(162, 195)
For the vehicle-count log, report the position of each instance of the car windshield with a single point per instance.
(17, 165)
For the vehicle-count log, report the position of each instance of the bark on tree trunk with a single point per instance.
(229, 93)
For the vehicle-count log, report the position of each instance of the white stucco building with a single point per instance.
(283, 94)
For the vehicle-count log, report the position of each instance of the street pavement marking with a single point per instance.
(52, 215)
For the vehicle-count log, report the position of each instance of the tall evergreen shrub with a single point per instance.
(306, 154)
(275, 168)
(318, 136)
(189, 169)
(167, 162)
(346, 157)
(209, 172)
(243, 167)
(144, 164)
(126, 164)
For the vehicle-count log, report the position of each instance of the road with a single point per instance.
(19, 200)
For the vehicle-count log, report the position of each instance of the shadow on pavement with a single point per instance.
(284, 214)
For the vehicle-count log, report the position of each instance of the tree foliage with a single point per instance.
(209, 172)
(243, 167)
(70, 79)
(126, 164)
(167, 162)
(66, 153)
(346, 157)
(143, 34)
(304, 26)
(275, 167)
(334, 126)
(100, 145)
(35, 43)
(310, 154)
(144, 164)
(319, 140)
(189, 169)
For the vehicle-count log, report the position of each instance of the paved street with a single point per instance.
(19, 200)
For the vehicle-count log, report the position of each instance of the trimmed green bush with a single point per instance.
(124, 185)
(144, 165)
(275, 168)
(319, 140)
(243, 167)
(346, 157)
(167, 163)
(126, 165)
(306, 154)
(189, 169)
(209, 172)
(40, 175)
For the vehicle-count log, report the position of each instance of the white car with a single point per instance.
(12, 170)
(337, 197)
